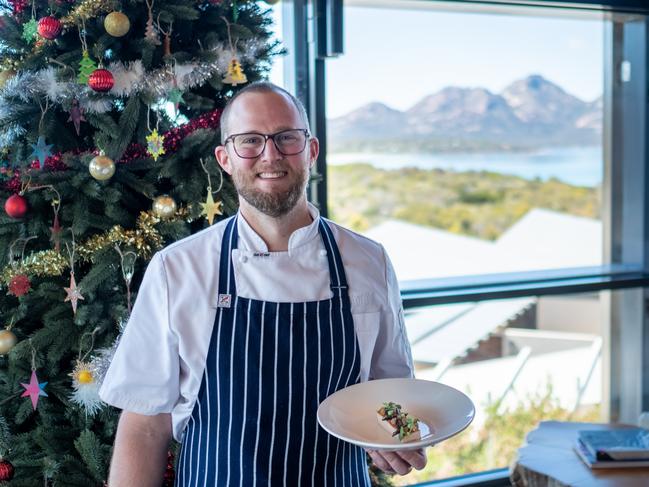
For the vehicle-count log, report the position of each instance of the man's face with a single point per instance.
(272, 183)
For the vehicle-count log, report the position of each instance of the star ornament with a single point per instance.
(155, 144)
(76, 116)
(73, 294)
(41, 150)
(56, 231)
(175, 96)
(34, 389)
(210, 208)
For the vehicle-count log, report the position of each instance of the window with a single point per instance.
(478, 143)
(495, 302)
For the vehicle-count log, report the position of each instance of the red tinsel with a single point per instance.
(169, 476)
(173, 137)
(18, 6)
(172, 140)
(19, 285)
(53, 163)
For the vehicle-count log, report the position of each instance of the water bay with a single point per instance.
(579, 166)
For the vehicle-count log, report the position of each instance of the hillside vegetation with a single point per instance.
(480, 204)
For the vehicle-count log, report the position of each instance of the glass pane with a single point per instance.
(520, 361)
(475, 145)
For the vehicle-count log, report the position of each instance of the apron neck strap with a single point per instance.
(336, 269)
(227, 285)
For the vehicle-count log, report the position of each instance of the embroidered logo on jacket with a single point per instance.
(225, 301)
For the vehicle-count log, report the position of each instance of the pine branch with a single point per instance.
(5, 436)
(92, 453)
(127, 123)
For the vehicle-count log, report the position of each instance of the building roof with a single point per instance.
(541, 239)
(461, 330)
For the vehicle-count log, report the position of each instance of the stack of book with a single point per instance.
(621, 448)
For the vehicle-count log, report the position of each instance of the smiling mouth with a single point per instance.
(272, 175)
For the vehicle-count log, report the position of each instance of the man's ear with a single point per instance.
(223, 158)
(314, 150)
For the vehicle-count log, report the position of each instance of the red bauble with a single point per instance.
(49, 27)
(16, 206)
(6, 470)
(101, 80)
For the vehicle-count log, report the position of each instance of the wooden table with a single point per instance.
(548, 460)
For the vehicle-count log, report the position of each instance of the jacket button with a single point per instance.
(243, 259)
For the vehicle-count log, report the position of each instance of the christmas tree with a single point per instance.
(110, 114)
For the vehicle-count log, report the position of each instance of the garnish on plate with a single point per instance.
(397, 422)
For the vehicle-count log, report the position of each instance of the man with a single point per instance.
(241, 330)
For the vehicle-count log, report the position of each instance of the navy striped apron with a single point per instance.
(268, 367)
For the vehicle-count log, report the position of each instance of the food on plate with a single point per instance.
(397, 422)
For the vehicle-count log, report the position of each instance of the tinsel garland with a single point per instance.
(172, 140)
(18, 6)
(86, 10)
(31, 87)
(129, 79)
(144, 239)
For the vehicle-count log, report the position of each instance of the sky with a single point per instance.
(399, 56)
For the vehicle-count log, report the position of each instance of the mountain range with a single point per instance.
(529, 113)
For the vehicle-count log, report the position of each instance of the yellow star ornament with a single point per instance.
(210, 208)
(155, 144)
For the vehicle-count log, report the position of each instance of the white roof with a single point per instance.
(542, 239)
(545, 239)
(461, 331)
(419, 252)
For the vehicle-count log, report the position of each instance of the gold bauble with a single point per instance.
(5, 76)
(164, 206)
(117, 24)
(102, 167)
(7, 341)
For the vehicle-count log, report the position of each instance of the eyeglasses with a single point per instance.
(251, 145)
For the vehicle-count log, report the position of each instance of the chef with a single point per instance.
(241, 330)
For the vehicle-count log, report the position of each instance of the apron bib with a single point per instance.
(268, 367)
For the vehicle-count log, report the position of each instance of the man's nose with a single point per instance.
(270, 152)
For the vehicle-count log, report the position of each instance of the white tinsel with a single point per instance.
(128, 77)
(9, 134)
(95, 105)
(102, 360)
(53, 89)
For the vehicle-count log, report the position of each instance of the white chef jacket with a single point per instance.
(160, 360)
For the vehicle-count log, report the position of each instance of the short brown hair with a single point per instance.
(260, 87)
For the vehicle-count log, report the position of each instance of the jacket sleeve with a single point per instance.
(143, 376)
(391, 356)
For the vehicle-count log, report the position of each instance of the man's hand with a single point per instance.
(398, 462)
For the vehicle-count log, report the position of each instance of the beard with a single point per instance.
(275, 204)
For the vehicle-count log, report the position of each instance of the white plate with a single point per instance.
(350, 413)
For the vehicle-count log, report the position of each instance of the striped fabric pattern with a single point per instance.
(268, 367)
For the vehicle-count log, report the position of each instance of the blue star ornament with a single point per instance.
(41, 150)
